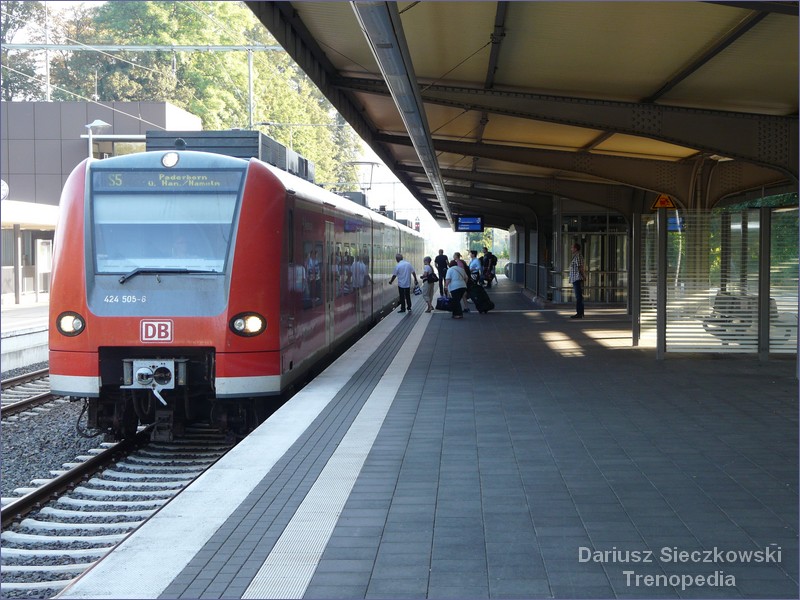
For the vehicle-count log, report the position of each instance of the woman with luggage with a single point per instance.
(460, 262)
(456, 282)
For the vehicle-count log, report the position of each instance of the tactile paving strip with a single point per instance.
(289, 567)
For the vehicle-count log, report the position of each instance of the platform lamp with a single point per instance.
(364, 169)
(100, 124)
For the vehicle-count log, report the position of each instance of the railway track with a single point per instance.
(24, 392)
(61, 527)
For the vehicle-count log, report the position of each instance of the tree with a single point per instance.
(479, 239)
(212, 85)
(19, 80)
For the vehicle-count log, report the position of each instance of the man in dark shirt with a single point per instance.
(489, 264)
(577, 275)
(442, 264)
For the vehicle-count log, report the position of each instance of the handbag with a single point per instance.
(444, 303)
(417, 290)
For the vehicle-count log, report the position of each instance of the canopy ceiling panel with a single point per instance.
(640, 147)
(527, 132)
(641, 96)
(449, 57)
(758, 74)
(580, 49)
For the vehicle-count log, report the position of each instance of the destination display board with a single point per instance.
(151, 181)
(468, 223)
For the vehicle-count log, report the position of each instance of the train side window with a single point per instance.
(351, 256)
(313, 265)
(365, 258)
(290, 236)
(338, 268)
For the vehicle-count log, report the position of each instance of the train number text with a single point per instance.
(128, 299)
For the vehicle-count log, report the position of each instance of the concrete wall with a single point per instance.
(23, 348)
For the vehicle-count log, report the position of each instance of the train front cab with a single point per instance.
(143, 309)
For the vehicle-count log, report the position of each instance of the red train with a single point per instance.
(190, 285)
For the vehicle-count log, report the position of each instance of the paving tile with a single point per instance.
(334, 592)
(349, 578)
(458, 592)
(458, 579)
(344, 565)
(397, 588)
(519, 588)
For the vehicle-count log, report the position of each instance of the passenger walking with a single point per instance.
(442, 264)
(461, 263)
(577, 275)
(429, 279)
(456, 281)
(489, 264)
(403, 271)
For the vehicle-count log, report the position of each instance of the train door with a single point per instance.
(330, 282)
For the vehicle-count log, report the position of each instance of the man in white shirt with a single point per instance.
(475, 267)
(403, 272)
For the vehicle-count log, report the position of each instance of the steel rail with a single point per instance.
(15, 408)
(25, 378)
(49, 491)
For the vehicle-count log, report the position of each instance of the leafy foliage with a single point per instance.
(212, 84)
(19, 67)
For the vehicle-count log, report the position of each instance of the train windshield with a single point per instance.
(143, 221)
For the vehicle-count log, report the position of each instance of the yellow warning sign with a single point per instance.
(663, 201)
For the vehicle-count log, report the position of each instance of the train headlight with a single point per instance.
(248, 324)
(70, 323)
(170, 159)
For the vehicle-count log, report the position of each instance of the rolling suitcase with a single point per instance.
(480, 299)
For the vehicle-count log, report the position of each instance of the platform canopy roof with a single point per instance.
(482, 106)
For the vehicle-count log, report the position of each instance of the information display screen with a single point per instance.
(468, 223)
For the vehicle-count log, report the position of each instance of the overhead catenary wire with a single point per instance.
(80, 97)
(102, 49)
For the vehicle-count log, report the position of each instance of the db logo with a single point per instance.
(156, 331)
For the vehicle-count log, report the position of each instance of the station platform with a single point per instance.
(517, 454)
(23, 335)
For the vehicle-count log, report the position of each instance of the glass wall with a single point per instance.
(604, 245)
(783, 281)
(713, 279)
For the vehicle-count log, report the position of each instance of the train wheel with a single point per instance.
(114, 413)
(144, 405)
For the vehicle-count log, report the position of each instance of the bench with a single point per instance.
(736, 316)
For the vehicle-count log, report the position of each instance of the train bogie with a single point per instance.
(190, 285)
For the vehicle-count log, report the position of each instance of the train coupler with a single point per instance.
(162, 428)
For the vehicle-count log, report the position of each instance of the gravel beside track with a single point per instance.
(29, 369)
(34, 445)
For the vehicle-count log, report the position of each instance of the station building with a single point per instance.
(40, 144)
